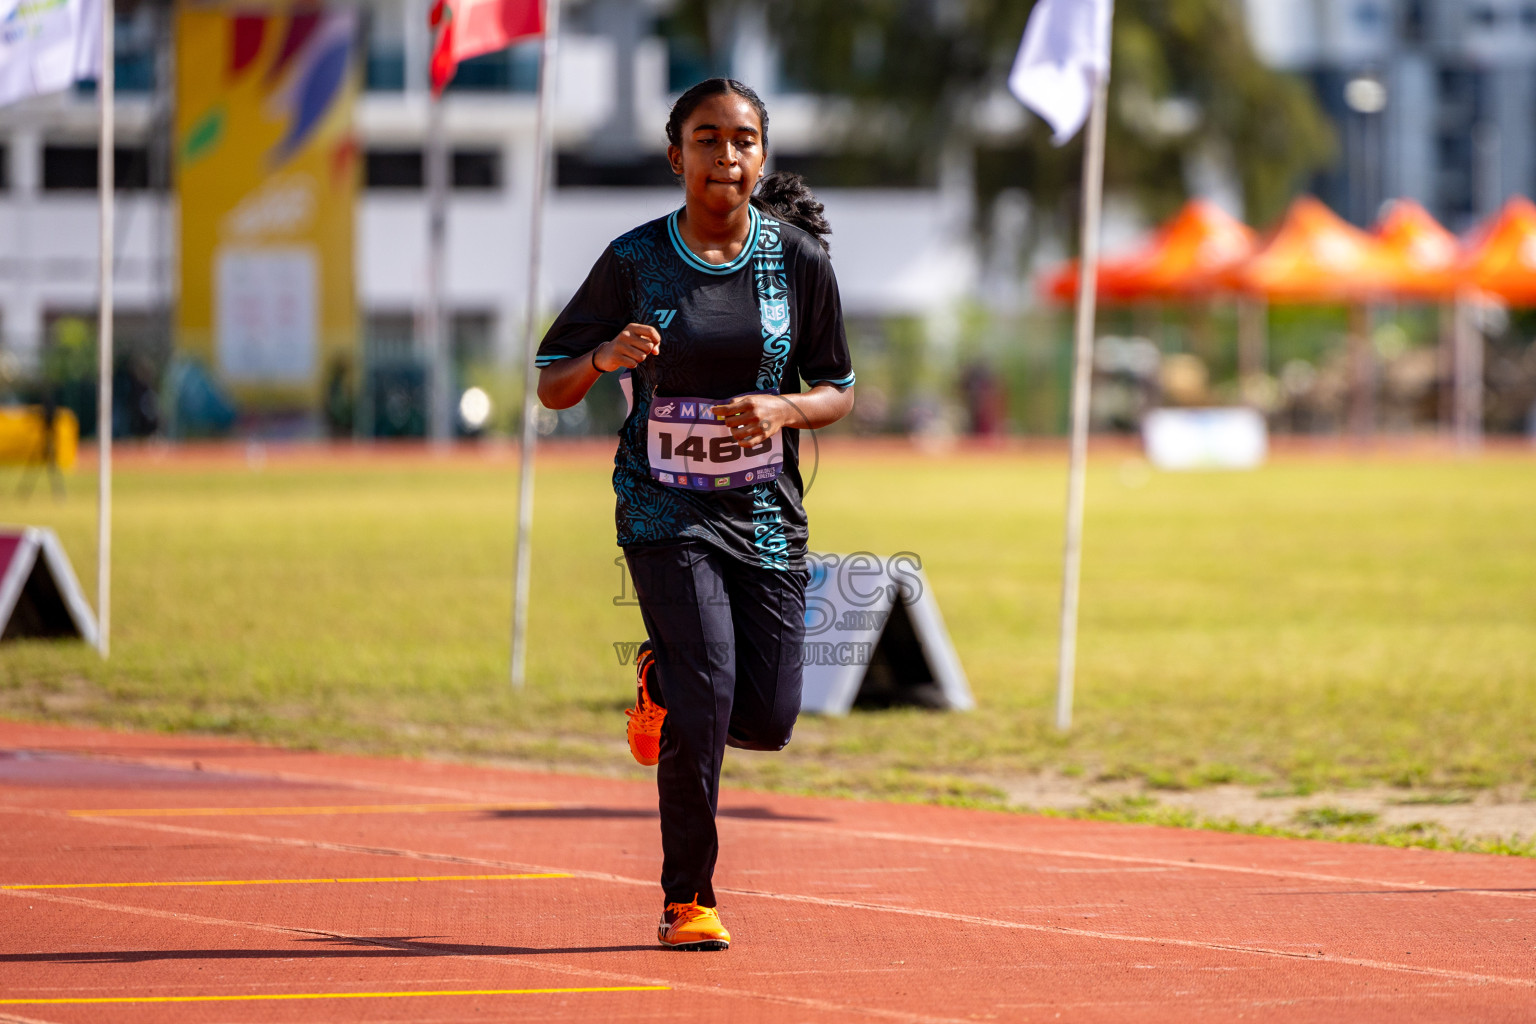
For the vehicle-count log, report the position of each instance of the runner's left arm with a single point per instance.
(820, 359)
(755, 418)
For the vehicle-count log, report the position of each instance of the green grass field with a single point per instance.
(1326, 622)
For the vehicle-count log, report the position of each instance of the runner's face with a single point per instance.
(721, 156)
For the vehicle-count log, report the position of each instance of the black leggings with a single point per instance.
(728, 638)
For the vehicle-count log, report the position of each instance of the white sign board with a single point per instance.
(266, 314)
(1205, 438)
(873, 630)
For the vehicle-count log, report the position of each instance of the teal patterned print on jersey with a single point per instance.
(773, 309)
(772, 304)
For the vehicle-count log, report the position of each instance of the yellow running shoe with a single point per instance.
(646, 716)
(692, 927)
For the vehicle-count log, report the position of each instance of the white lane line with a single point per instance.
(1162, 863)
(903, 837)
(602, 876)
(992, 922)
(1116, 858)
(11, 1018)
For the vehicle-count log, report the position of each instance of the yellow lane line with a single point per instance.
(336, 995)
(175, 812)
(286, 881)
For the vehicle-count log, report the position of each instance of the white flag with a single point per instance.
(47, 46)
(1064, 53)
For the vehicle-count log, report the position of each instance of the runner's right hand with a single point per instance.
(633, 346)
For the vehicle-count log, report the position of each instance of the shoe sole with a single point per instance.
(702, 946)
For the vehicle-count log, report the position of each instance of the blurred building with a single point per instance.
(1435, 100)
(905, 249)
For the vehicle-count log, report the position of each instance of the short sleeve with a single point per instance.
(822, 348)
(597, 312)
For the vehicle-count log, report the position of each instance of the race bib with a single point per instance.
(689, 447)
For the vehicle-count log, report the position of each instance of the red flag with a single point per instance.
(468, 28)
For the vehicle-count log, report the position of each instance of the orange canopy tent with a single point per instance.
(1314, 256)
(1185, 258)
(1499, 262)
(1431, 256)
(1501, 257)
(1428, 254)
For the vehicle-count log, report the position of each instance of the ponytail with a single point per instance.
(785, 196)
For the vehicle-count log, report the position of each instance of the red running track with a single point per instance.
(388, 890)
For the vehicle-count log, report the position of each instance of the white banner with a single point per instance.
(268, 313)
(47, 46)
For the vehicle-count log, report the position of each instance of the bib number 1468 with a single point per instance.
(716, 450)
(689, 446)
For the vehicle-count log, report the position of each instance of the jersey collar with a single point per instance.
(692, 259)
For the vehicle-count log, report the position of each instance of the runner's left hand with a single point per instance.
(753, 419)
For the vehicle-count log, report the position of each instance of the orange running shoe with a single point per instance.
(692, 927)
(646, 716)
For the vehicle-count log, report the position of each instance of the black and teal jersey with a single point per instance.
(769, 320)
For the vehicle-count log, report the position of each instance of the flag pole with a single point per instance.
(105, 184)
(433, 332)
(522, 568)
(1082, 376)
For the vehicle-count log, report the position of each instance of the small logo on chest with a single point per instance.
(775, 316)
(664, 318)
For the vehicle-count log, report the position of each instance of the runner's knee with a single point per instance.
(771, 733)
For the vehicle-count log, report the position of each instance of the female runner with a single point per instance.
(716, 313)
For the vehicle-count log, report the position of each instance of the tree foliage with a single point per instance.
(928, 75)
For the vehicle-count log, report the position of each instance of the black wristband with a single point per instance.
(599, 369)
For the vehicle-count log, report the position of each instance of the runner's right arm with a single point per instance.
(565, 382)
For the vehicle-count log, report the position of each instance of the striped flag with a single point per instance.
(1064, 53)
(468, 28)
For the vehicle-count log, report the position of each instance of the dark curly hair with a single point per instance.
(783, 195)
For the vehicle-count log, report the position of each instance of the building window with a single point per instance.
(393, 168)
(515, 69)
(1459, 100)
(1415, 21)
(136, 43)
(1485, 16)
(855, 170)
(472, 339)
(580, 170)
(689, 60)
(385, 70)
(406, 169)
(71, 168)
(383, 50)
(1454, 175)
(477, 168)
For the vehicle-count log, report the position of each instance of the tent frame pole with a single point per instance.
(1467, 376)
